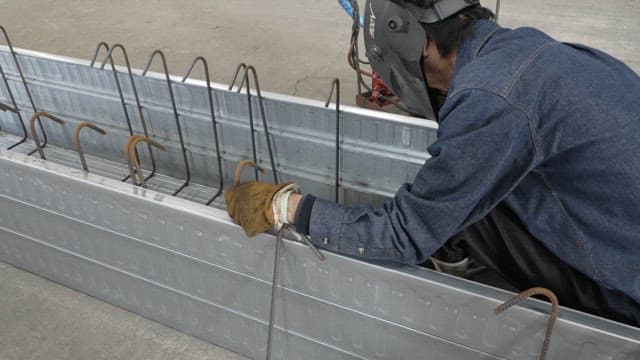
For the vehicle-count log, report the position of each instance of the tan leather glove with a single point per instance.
(250, 204)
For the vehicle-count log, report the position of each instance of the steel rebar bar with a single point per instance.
(555, 308)
(133, 158)
(14, 109)
(335, 85)
(109, 57)
(32, 125)
(76, 140)
(26, 87)
(176, 116)
(205, 66)
(246, 83)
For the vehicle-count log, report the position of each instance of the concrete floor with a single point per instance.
(43, 320)
(297, 47)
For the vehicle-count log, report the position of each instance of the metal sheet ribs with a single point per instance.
(303, 136)
(184, 265)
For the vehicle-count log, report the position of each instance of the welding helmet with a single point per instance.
(394, 41)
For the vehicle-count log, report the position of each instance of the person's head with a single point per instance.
(413, 44)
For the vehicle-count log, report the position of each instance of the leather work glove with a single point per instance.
(257, 206)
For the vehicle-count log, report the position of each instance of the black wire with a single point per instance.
(355, 59)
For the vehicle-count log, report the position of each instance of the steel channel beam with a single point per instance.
(187, 266)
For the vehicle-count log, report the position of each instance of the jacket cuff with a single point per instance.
(325, 224)
(303, 214)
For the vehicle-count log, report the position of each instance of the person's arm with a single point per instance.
(484, 149)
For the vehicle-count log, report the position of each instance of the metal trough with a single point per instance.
(184, 264)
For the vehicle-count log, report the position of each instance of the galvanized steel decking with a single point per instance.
(186, 265)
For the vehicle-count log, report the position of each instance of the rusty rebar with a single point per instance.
(76, 139)
(5, 107)
(133, 158)
(32, 126)
(552, 318)
(128, 158)
(109, 57)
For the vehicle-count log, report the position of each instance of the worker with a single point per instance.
(535, 173)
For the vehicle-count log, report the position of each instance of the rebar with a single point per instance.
(552, 319)
(32, 125)
(128, 158)
(176, 116)
(276, 275)
(5, 107)
(76, 140)
(254, 152)
(245, 82)
(335, 85)
(26, 88)
(132, 157)
(109, 58)
(241, 66)
(205, 66)
(100, 45)
(14, 109)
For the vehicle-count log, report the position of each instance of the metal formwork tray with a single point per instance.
(188, 266)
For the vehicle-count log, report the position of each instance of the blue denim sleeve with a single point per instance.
(484, 148)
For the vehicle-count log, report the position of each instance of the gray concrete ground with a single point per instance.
(297, 46)
(40, 319)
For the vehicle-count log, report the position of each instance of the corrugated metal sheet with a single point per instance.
(187, 266)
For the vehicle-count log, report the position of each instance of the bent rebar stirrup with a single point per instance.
(245, 81)
(14, 109)
(109, 57)
(132, 159)
(552, 318)
(205, 66)
(335, 85)
(176, 116)
(32, 125)
(27, 90)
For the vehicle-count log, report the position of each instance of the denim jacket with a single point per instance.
(551, 129)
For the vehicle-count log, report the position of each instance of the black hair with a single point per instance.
(450, 32)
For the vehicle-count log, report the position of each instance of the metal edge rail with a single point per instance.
(567, 318)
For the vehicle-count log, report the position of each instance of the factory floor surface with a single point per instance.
(297, 47)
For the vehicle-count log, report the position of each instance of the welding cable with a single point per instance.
(354, 60)
(346, 5)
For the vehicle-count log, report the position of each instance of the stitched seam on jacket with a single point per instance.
(525, 65)
(581, 241)
(484, 42)
(532, 132)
